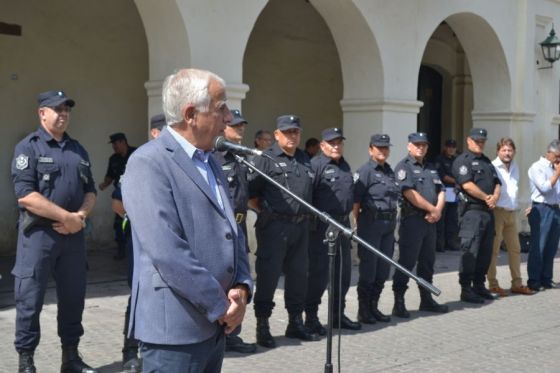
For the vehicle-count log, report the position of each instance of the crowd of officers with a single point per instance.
(443, 205)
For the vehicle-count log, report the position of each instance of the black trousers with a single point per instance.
(41, 253)
(318, 273)
(373, 270)
(417, 246)
(477, 233)
(447, 226)
(281, 247)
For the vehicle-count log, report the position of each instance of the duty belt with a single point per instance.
(288, 218)
(552, 206)
(385, 215)
(473, 206)
(240, 217)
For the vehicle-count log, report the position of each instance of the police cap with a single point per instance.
(157, 121)
(418, 137)
(450, 143)
(478, 134)
(237, 118)
(331, 134)
(380, 139)
(54, 98)
(287, 122)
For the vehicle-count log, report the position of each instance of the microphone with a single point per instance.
(222, 145)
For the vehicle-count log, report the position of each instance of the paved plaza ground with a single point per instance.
(513, 334)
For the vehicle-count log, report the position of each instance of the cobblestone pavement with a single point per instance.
(513, 334)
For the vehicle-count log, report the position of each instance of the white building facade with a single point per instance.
(368, 66)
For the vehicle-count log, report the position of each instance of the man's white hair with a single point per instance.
(187, 87)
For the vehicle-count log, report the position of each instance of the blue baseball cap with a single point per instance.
(418, 137)
(287, 122)
(237, 118)
(478, 134)
(158, 121)
(380, 139)
(332, 133)
(54, 98)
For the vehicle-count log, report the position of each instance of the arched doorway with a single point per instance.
(291, 65)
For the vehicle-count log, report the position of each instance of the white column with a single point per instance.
(236, 93)
(363, 117)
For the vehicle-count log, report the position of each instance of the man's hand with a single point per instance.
(491, 201)
(433, 216)
(236, 311)
(72, 223)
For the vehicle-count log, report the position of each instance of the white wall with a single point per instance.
(96, 52)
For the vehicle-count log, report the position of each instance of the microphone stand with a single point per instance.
(335, 228)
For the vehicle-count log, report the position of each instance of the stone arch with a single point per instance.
(487, 61)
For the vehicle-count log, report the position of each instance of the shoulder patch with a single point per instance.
(22, 162)
(356, 177)
(401, 175)
(463, 170)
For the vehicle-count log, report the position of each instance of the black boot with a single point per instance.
(345, 323)
(428, 304)
(484, 293)
(236, 343)
(264, 338)
(399, 309)
(364, 311)
(130, 362)
(296, 329)
(26, 364)
(469, 296)
(313, 324)
(73, 363)
(378, 315)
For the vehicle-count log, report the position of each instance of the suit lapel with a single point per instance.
(187, 165)
(223, 193)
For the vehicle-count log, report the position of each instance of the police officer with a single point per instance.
(332, 193)
(56, 192)
(480, 190)
(423, 201)
(448, 225)
(236, 174)
(130, 361)
(375, 211)
(282, 230)
(115, 168)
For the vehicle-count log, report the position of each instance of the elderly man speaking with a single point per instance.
(191, 274)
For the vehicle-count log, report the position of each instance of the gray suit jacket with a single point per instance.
(188, 251)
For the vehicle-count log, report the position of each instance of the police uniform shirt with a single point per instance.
(333, 186)
(444, 165)
(375, 187)
(236, 176)
(423, 178)
(117, 165)
(291, 172)
(478, 169)
(60, 171)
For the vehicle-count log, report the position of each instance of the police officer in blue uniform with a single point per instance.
(480, 190)
(236, 175)
(333, 188)
(376, 199)
(115, 169)
(130, 361)
(282, 230)
(56, 192)
(448, 225)
(423, 201)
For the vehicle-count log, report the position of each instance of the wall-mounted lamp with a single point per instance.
(550, 48)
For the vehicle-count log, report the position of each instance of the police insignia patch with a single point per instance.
(356, 176)
(463, 170)
(401, 175)
(22, 162)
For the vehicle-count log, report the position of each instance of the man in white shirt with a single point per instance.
(544, 218)
(505, 220)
